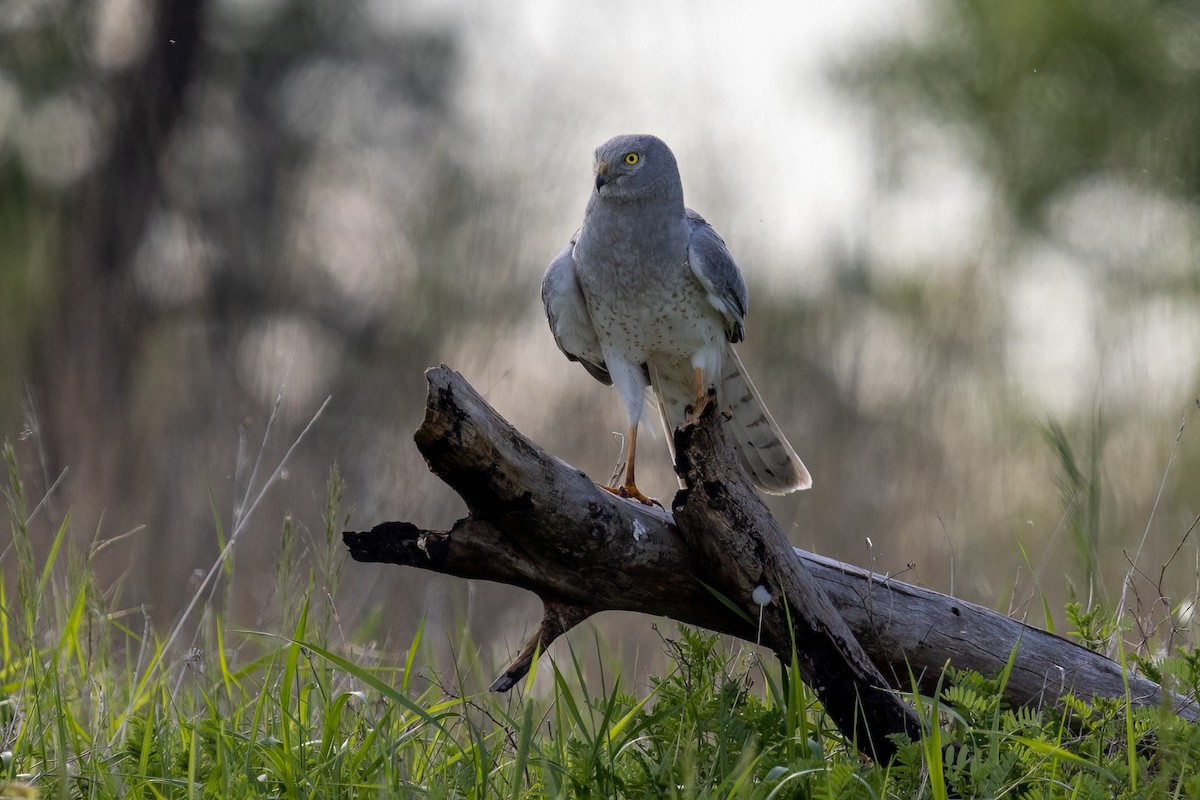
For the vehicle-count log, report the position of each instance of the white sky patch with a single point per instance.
(1120, 225)
(784, 168)
(768, 152)
(61, 139)
(939, 218)
(173, 261)
(289, 357)
(120, 32)
(1153, 354)
(877, 361)
(1052, 347)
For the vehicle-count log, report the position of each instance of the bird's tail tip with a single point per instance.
(795, 478)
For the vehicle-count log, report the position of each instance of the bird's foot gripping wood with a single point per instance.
(631, 492)
(628, 489)
(525, 505)
(703, 399)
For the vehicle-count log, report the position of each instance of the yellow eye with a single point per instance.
(632, 158)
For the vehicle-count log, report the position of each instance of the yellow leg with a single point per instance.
(701, 397)
(629, 488)
(631, 458)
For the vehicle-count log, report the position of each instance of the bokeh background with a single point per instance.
(970, 229)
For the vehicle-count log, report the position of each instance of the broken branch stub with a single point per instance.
(722, 519)
(540, 524)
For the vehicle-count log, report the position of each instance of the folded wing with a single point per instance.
(568, 315)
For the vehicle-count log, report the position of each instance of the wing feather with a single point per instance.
(715, 268)
(567, 312)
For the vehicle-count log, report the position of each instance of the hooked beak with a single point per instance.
(601, 174)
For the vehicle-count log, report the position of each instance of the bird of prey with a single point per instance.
(646, 293)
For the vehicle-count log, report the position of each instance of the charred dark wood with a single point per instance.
(540, 524)
(722, 518)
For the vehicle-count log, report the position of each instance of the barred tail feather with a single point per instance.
(673, 393)
(763, 450)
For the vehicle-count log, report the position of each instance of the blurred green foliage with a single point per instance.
(1043, 95)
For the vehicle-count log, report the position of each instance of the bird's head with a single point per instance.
(635, 166)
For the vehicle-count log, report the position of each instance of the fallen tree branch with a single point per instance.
(748, 559)
(540, 524)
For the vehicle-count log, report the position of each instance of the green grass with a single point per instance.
(95, 704)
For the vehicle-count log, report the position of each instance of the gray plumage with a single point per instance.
(647, 293)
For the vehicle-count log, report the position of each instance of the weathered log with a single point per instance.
(724, 520)
(540, 524)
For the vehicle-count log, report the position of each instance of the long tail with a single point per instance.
(762, 449)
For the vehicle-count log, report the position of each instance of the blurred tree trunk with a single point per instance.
(88, 356)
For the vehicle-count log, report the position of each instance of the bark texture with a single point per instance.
(540, 524)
